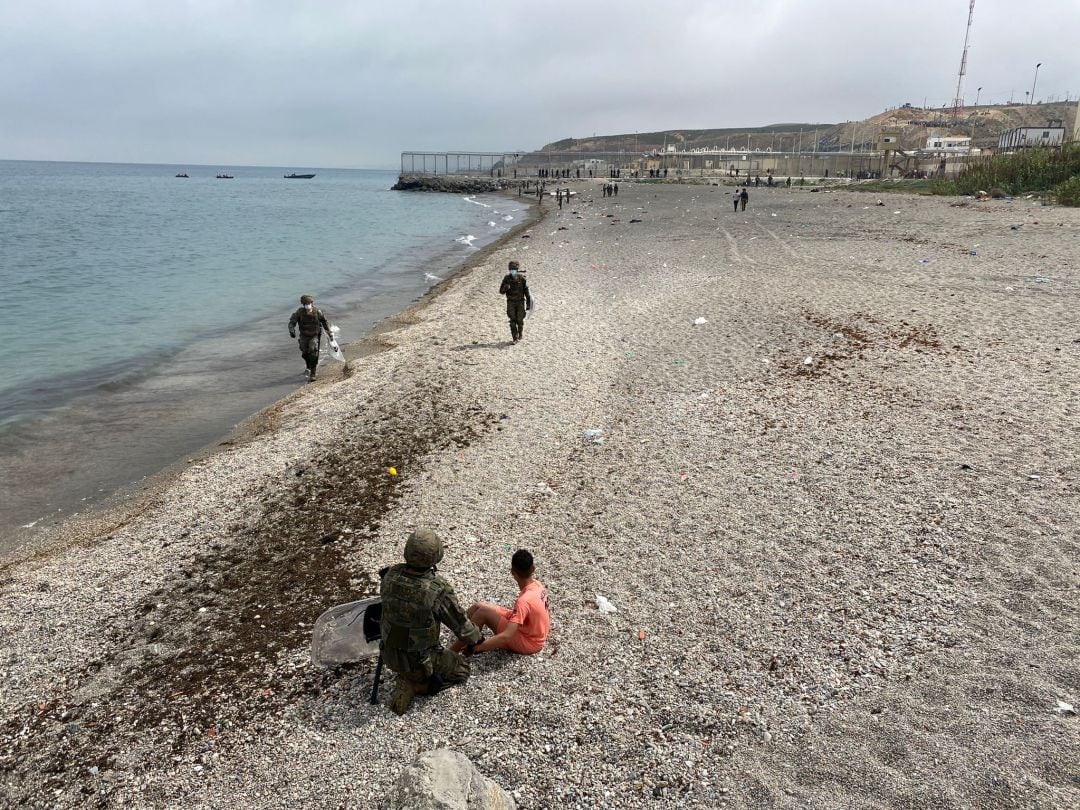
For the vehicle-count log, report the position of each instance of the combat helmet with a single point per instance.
(423, 549)
(306, 299)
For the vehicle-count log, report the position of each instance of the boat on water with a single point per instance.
(224, 177)
(181, 174)
(295, 176)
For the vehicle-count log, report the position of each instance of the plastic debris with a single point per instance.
(392, 471)
(809, 361)
(1064, 709)
(700, 321)
(1042, 280)
(593, 433)
(604, 605)
(641, 635)
(924, 261)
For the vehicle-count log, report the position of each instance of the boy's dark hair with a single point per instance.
(514, 265)
(522, 562)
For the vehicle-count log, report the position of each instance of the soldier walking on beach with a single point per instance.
(311, 322)
(735, 200)
(743, 197)
(518, 300)
(416, 600)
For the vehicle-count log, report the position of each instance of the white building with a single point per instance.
(949, 144)
(1026, 137)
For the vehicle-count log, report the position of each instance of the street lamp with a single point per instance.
(1039, 65)
(977, 94)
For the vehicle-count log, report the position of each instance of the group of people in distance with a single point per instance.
(416, 600)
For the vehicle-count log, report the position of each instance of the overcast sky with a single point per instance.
(354, 82)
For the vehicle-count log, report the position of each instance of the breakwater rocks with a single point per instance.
(451, 183)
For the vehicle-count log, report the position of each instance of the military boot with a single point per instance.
(404, 692)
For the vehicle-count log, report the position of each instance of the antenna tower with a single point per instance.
(958, 100)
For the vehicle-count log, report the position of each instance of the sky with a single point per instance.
(352, 83)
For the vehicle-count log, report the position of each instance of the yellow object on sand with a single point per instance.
(393, 470)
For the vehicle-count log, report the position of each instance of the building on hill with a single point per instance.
(1053, 134)
(948, 144)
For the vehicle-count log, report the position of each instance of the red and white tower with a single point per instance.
(958, 99)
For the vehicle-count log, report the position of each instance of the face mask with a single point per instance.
(513, 272)
(309, 307)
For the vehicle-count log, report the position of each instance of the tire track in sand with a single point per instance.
(733, 246)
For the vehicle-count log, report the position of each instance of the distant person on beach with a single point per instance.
(735, 200)
(311, 323)
(518, 300)
(743, 197)
(415, 601)
(522, 630)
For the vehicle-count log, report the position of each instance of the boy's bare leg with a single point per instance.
(483, 615)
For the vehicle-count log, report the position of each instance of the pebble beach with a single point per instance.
(822, 458)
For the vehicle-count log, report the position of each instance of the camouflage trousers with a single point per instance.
(515, 312)
(309, 350)
(448, 668)
(451, 667)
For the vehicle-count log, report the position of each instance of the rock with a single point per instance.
(446, 780)
(452, 184)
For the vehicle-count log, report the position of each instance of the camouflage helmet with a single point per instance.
(306, 299)
(423, 549)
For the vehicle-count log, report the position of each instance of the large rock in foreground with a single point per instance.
(452, 183)
(446, 780)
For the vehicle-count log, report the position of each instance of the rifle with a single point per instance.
(373, 632)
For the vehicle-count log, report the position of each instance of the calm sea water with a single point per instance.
(147, 313)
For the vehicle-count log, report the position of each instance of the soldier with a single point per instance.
(743, 197)
(312, 323)
(518, 300)
(415, 601)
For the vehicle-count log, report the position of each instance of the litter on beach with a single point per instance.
(604, 605)
(1062, 708)
(700, 321)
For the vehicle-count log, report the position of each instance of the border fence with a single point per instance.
(696, 163)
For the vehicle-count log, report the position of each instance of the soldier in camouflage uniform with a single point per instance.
(311, 322)
(518, 300)
(415, 601)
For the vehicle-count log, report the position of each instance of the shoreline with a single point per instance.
(836, 581)
(129, 500)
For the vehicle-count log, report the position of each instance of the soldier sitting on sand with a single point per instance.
(416, 600)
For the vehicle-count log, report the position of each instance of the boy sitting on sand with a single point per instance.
(522, 630)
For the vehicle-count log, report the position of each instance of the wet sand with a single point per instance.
(838, 520)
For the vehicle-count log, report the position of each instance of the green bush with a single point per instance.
(1068, 193)
(1024, 171)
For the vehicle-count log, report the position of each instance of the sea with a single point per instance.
(147, 313)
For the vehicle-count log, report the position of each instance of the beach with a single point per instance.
(830, 484)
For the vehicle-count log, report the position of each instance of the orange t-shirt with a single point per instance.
(531, 614)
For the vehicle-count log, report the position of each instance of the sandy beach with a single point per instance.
(838, 520)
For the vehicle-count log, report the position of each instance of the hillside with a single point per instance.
(914, 124)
